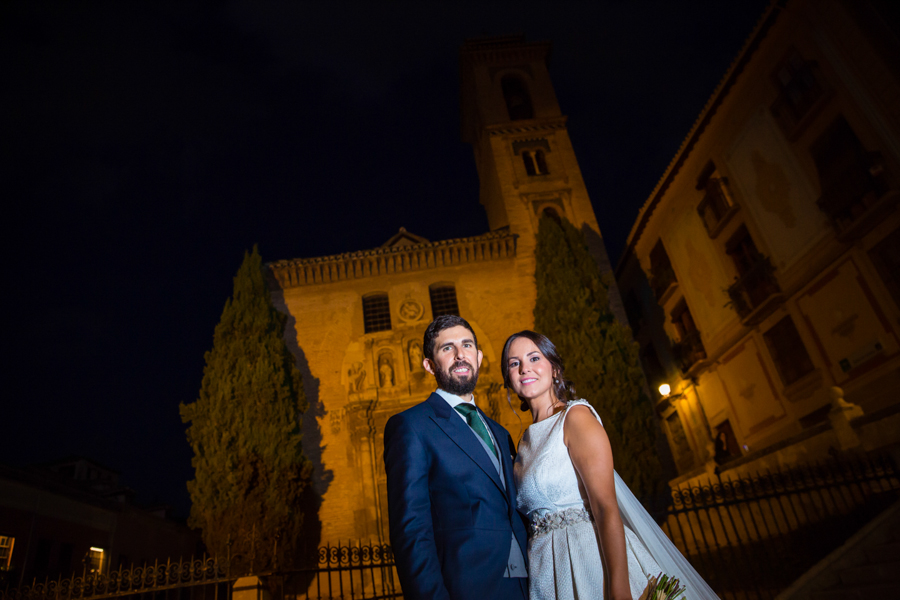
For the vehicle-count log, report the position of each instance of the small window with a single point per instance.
(689, 348)
(662, 275)
(717, 206)
(850, 177)
(376, 312)
(528, 159)
(95, 560)
(726, 444)
(6, 549)
(788, 352)
(742, 251)
(535, 162)
(799, 93)
(443, 299)
(518, 101)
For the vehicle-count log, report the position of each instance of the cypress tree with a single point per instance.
(244, 429)
(601, 359)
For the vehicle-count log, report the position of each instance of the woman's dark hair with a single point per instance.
(562, 387)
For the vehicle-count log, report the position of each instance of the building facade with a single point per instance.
(356, 320)
(763, 270)
(73, 517)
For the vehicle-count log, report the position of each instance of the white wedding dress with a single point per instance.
(563, 550)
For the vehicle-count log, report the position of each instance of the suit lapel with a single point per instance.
(502, 437)
(461, 435)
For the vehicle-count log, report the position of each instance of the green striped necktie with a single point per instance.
(471, 415)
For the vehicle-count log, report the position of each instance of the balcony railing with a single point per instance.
(689, 351)
(754, 288)
(857, 198)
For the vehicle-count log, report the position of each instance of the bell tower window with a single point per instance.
(518, 101)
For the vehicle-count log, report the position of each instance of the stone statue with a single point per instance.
(415, 355)
(357, 377)
(386, 370)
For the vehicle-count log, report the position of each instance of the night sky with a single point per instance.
(147, 145)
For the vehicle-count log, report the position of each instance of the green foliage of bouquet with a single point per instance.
(663, 587)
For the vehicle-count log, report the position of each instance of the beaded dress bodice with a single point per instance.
(545, 477)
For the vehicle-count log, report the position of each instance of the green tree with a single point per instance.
(601, 359)
(244, 429)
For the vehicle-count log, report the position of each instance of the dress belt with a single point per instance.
(559, 520)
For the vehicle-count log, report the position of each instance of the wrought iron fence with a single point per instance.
(343, 571)
(361, 572)
(194, 579)
(751, 537)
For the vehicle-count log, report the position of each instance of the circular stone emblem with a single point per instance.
(411, 310)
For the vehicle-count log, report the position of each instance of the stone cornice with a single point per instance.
(298, 272)
(504, 50)
(526, 126)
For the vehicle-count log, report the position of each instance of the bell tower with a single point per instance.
(526, 164)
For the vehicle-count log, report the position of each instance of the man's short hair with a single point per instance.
(437, 326)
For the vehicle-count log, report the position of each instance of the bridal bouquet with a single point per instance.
(663, 587)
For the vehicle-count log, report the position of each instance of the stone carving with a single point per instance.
(356, 375)
(386, 370)
(410, 310)
(337, 417)
(415, 355)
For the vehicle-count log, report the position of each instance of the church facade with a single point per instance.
(356, 320)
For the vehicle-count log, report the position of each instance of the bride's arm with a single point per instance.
(589, 449)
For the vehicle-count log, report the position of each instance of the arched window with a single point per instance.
(551, 213)
(535, 162)
(528, 159)
(376, 312)
(540, 162)
(518, 102)
(443, 299)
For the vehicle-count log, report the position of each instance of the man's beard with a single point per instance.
(449, 382)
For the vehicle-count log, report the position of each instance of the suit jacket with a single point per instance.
(450, 519)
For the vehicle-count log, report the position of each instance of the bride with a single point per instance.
(590, 538)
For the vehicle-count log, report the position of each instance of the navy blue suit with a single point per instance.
(451, 521)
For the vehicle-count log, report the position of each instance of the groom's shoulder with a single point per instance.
(413, 414)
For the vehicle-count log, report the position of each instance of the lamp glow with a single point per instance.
(664, 389)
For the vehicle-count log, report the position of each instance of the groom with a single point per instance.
(455, 531)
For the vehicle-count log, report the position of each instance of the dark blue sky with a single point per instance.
(146, 145)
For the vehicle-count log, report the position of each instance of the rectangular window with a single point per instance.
(689, 348)
(376, 313)
(788, 352)
(95, 559)
(662, 275)
(6, 549)
(717, 207)
(443, 300)
(800, 94)
(850, 177)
